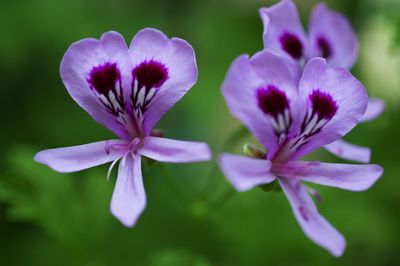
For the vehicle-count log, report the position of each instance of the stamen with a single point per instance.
(111, 168)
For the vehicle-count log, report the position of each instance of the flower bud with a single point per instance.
(252, 151)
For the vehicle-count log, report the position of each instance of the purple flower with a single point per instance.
(330, 36)
(292, 119)
(127, 90)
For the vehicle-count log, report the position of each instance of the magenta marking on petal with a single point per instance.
(107, 147)
(103, 78)
(150, 74)
(303, 213)
(272, 100)
(324, 47)
(148, 77)
(292, 45)
(323, 104)
(105, 82)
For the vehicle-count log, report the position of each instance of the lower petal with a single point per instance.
(316, 227)
(129, 198)
(347, 151)
(355, 177)
(174, 151)
(245, 173)
(374, 109)
(76, 158)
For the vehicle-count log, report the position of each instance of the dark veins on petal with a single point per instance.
(105, 82)
(324, 47)
(274, 102)
(148, 77)
(104, 77)
(292, 45)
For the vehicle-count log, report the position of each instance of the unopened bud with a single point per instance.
(254, 152)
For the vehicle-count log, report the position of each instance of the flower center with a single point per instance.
(274, 103)
(324, 47)
(292, 45)
(322, 108)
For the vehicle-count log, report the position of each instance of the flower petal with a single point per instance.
(78, 62)
(174, 151)
(245, 173)
(129, 198)
(347, 94)
(348, 151)
(355, 177)
(240, 88)
(178, 57)
(332, 37)
(375, 108)
(316, 227)
(283, 32)
(76, 158)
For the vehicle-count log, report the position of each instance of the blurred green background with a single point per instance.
(47, 218)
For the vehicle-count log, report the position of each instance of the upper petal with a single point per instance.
(356, 177)
(316, 227)
(283, 31)
(95, 73)
(245, 173)
(332, 37)
(375, 108)
(335, 103)
(76, 158)
(262, 93)
(174, 151)
(348, 151)
(164, 70)
(129, 198)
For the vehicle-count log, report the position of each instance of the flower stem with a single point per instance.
(229, 144)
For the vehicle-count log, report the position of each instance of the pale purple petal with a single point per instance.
(76, 158)
(355, 177)
(348, 151)
(283, 32)
(245, 173)
(375, 108)
(129, 198)
(177, 59)
(345, 95)
(332, 37)
(174, 151)
(241, 88)
(76, 68)
(316, 227)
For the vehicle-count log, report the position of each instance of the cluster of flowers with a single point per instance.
(295, 96)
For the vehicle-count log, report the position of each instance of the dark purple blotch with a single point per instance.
(272, 101)
(292, 45)
(104, 77)
(324, 47)
(150, 74)
(323, 104)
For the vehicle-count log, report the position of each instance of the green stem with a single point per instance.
(176, 189)
(231, 142)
